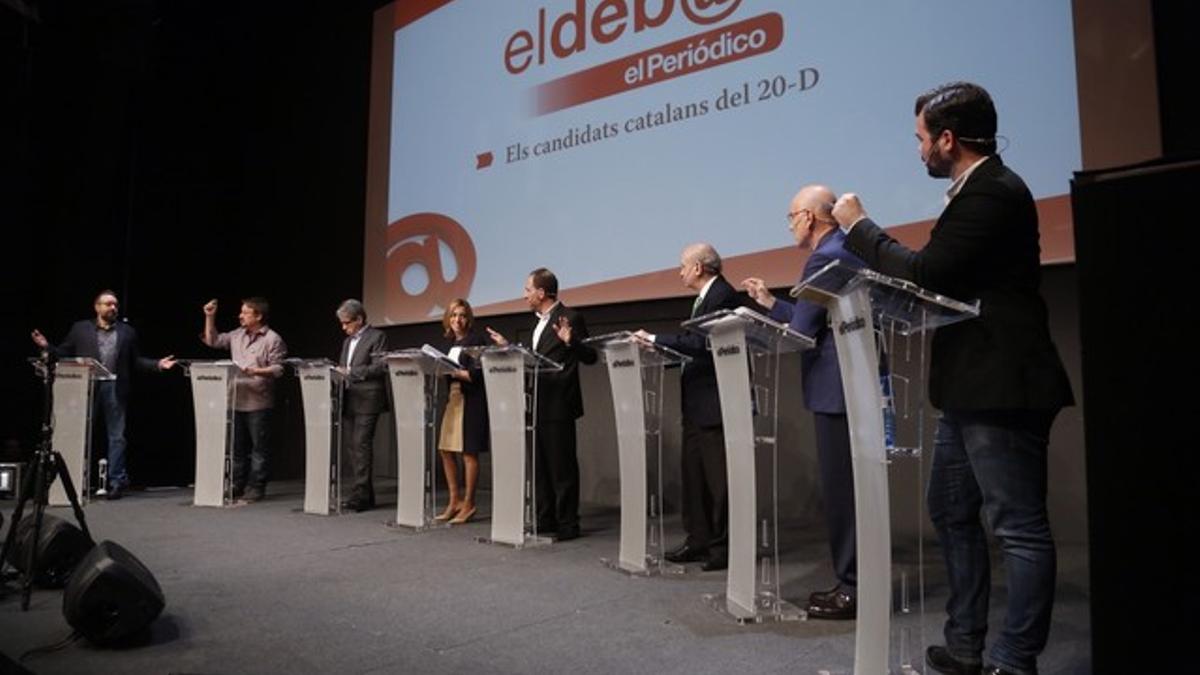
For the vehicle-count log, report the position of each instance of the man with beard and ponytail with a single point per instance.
(997, 380)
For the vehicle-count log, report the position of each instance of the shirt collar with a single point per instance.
(546, 315)
(958, 183)
(824, 238)
(708, 285)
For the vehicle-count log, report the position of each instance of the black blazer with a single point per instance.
(559, 397)
(366, 390)
(984, 246)
(476, 429)
(700, 400)
(81, 341)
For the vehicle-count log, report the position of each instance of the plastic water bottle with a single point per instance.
(889, 411)
(103, 476)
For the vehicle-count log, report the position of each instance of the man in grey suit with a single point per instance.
(365, 397)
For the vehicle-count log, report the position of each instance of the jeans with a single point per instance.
(113, 410)
(994, 461)
(251, 431)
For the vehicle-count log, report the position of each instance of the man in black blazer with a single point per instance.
(997, 379)
(365, 396)
(114, 344)
(558, 335)
(703, 476)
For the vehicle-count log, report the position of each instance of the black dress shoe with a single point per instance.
(567, 533)
(819, 596)
(356, 505)
(114, 493)
(685, 553)
(715, 563)
(837, 606)
(941, 660)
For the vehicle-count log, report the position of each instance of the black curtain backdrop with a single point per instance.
(176, 152)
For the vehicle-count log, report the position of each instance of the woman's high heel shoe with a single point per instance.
(451, 509)
(463, 516)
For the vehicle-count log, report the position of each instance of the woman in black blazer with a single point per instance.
(464, 428)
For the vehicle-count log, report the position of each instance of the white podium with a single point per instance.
(322, 387)
(859, 302)
(213, 386)
(635, 371)
(415, 375)
(511, 375)
(746, 348)
(74, 380)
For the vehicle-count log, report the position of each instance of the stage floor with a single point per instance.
(267, 589)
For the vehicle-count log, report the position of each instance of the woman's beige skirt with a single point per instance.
(451, 437)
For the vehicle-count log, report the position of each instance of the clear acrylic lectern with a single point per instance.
(415, 376)
(214, 385)
(511, 376)
(886, 418)
(635, 371)
(74, 383)
(746, 348)
(322, 388)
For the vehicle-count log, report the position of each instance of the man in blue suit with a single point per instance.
(811, 223)
(114, 344)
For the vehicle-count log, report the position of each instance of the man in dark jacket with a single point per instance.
(365, 396)
(997, 380)
(558, 335)
(114, 344)
(705, 499)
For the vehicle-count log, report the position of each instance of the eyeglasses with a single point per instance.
(793, 215)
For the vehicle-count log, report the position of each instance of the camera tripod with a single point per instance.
(47, 466)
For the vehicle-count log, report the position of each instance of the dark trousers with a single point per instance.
(705, 489)
(251, 435)
(557, 475)
(362, 454)
(837, 485)
(994, 463)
